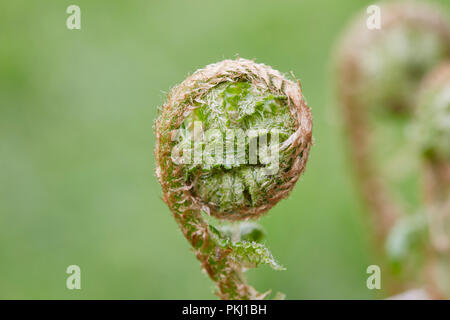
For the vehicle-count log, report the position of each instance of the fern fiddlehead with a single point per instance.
(433, 135)
(379, 73)
(205, 135)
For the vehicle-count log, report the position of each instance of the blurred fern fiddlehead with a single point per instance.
(379, 74)
(433, 135)
(204, 136)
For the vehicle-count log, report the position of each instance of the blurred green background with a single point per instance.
(77, 183)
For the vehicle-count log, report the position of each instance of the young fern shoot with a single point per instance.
(378, 75)
(433, 135)
(231, 141)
